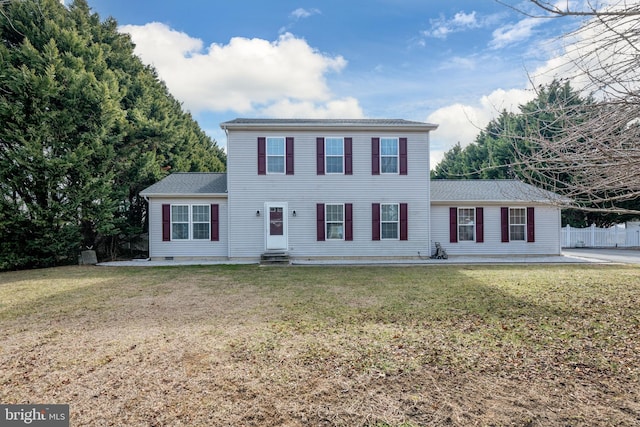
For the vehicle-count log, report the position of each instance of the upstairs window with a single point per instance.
(275, 155)
(389, 155)
(334, 155)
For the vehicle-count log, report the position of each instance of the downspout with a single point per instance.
(226, 132)
(146, 199)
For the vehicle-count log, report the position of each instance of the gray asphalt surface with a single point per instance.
(625, 256)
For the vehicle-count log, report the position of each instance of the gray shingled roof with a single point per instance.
(489, 191)
(370, 123)
(188, 184)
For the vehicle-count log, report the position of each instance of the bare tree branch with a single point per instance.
(554, 11)
(593, 155)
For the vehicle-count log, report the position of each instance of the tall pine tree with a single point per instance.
(85, 127)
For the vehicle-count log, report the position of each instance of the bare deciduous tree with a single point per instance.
(594, 157)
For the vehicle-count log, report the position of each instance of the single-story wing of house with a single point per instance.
(494, 217)
(341, 189)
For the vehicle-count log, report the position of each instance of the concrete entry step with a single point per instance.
(274, 258)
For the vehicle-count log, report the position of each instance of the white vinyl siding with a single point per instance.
(547, 233)
(247, 194)
(187, 248)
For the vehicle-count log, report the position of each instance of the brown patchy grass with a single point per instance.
(376, 346)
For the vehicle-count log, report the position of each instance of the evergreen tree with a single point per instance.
(498, 150)
(86, 126)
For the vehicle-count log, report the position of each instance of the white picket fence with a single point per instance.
(594, 237)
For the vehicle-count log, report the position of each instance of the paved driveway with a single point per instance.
(626, 256)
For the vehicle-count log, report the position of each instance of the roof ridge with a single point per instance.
(192, 173)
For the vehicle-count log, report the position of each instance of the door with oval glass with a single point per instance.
(276, 226)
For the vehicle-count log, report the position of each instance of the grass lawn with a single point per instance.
(454, 345)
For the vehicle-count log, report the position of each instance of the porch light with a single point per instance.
(258, 212)
(294, 213)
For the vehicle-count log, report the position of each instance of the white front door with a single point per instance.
(276, 226)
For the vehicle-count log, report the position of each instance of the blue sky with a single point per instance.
(454, 63)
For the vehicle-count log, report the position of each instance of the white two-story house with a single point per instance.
(340, 189)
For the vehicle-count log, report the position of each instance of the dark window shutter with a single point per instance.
(289, 155)
(320, 222)
(166, 223)
(504, 224)
(215, 223)
(348, 156)
(403, 156)
(453, 225)
(375, 226)
(320, 156)
(348, 221)
(262, 156)
(404, 221)
(375, 156)
(531, 225)
(479, 225)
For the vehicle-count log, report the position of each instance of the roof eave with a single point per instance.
(496, 202)
(184, 195)
(328, 127)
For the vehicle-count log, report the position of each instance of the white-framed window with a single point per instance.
(190, 222)
(389, 155)
(517, 224)
(201, 222)
(334, 221)
(180, 222)
(334, 155)
(275, 155)
(389, 221)
(466, 224)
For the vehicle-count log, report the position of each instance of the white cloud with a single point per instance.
(345, 108)
(514, 33)
(457, 63)
(600, 59)
(244, 76)
(462, 123)
(468, 20)
(297, 15)
(461, 21)
(304, 13)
